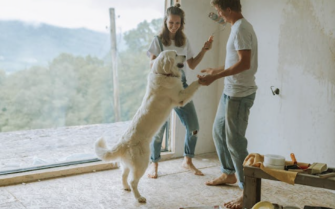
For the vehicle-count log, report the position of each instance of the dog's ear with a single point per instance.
(168, 63)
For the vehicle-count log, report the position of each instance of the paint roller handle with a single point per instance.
(294, 160)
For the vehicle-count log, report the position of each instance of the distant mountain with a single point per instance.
(23, 45)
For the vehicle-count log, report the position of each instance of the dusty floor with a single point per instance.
(22, 149)
(173, 189)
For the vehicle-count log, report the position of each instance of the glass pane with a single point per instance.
(70, 72)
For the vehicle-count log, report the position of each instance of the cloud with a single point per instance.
(90, 14)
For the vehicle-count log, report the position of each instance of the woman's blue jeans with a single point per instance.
(188, 117)
(229, 129)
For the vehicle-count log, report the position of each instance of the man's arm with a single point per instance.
(242, 65)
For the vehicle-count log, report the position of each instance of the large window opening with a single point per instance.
(70, 72)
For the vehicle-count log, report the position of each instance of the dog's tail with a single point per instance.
(106, 154)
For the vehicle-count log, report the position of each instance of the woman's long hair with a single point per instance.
(180, 37)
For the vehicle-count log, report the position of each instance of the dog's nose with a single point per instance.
(180, 65)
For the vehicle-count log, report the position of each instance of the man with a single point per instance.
(238, 97)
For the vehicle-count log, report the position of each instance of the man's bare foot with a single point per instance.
(187, 163)
(223, 179)
(235, 204)
(153, 172)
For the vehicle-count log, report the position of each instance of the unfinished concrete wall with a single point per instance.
(297, 55)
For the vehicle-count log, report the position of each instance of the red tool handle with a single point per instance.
(293, 158)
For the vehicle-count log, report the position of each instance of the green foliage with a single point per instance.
(139, 39)
(75, 90)
(134, 66)
(132, 82)
(71, 91)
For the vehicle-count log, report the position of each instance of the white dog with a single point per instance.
(164, 92)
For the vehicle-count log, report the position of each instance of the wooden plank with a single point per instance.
(253, 176)
(302, 178)
(34, 176)
(315, 181)
(251, 192)
(257, 173)
(114, 51)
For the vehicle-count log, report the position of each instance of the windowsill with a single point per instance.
(54, 146)
(38, 175)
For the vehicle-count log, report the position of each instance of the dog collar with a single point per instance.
(167, 75)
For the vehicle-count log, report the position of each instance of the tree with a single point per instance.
(76, 90)
(139, 39)
(70, 91)
(134, 66)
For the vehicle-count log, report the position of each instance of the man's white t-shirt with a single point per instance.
(155, 49)
(242, 37)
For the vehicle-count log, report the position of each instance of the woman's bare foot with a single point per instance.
(187, 163)
(235, 204)
(223, 179)
(153, 171)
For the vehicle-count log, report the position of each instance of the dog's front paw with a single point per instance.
(127, 189)
(141, 200)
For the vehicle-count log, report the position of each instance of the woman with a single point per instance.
(172, 37)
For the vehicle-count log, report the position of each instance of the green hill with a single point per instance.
(24, 45)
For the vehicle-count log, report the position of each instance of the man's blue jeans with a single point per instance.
(188, 117)
(229, 129)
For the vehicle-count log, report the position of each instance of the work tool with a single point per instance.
(295, 164)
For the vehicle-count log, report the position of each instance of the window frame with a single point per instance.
(37, 173)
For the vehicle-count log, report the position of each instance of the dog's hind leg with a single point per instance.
(135, 177)
(125, 173)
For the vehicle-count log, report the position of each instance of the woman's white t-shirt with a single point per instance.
(155, 48)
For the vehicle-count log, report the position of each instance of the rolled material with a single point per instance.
(276, 160)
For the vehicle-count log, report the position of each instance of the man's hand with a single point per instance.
(211, 75)
(210, 71)
(206, 80)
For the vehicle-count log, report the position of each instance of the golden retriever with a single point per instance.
(164, 92)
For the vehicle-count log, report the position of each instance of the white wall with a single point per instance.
(198, 28)
(297, 55)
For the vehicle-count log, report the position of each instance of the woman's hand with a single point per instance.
(208, 44)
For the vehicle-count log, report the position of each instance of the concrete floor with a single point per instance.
(175, 188)
(30, 148)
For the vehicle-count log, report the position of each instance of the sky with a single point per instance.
(91, 14)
